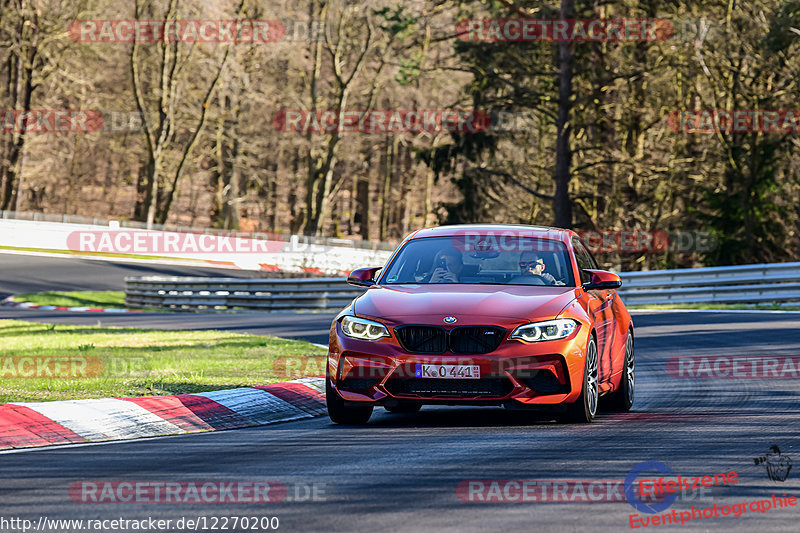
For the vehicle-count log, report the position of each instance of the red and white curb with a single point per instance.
(9, 302)
(29, 424)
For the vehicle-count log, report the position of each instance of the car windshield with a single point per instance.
(481, 259)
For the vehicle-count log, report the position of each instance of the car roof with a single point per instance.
(513, 229)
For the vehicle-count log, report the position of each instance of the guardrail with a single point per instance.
(197, 294)
(765, 283)
(747, 284)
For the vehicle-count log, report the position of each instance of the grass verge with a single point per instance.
(41, 362)
(113, 299)
(103, 299)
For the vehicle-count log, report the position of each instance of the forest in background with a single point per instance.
(190, 134)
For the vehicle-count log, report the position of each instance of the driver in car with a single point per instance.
(447, 267)
(532, 265)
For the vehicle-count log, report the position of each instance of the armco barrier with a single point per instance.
(766, 283)
(747, 284)
(192, 294)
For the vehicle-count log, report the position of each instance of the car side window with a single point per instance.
(585, 261)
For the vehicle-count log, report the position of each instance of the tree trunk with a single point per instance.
(364, 208)
(562, 204)
(405, 201)
(152, 198)
(232, 213)
(429, 218)
(272, 197)
(326, 173)
(335, 206)
(352, 206)
(21, 67)
(391, 146)
(309, 222)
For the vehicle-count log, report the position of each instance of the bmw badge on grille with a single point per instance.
(450, 319)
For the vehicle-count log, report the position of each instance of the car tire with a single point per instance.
(622, 398)
(343, 414)
(585, 408)
(404, 407)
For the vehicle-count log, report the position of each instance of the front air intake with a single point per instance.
(476, 339)
(422, 339)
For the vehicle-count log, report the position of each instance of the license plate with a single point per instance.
(448, 371)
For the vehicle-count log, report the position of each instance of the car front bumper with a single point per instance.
(525, 374)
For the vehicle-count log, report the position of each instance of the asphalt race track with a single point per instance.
(30, 273)
(23, 273)
(401, 472)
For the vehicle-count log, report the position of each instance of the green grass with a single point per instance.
(105, 299)
(114, 299)
(748, 307)
(118, 362)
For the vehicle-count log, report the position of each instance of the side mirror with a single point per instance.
(602, 279)
(363, 277)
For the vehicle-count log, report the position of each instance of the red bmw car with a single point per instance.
(514, 316)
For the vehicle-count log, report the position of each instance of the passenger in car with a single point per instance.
(531, 264)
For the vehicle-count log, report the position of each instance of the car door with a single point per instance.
(600, 308)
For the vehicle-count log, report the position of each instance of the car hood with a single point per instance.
(471, 302)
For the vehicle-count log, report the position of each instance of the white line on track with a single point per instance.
(176, 262)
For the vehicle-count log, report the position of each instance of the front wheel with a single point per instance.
(343, 414)
(585, 408)
(622, 398)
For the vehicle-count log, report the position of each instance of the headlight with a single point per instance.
(548, 330)
(361, 328)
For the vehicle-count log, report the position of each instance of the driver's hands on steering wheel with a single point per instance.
(547, 279)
